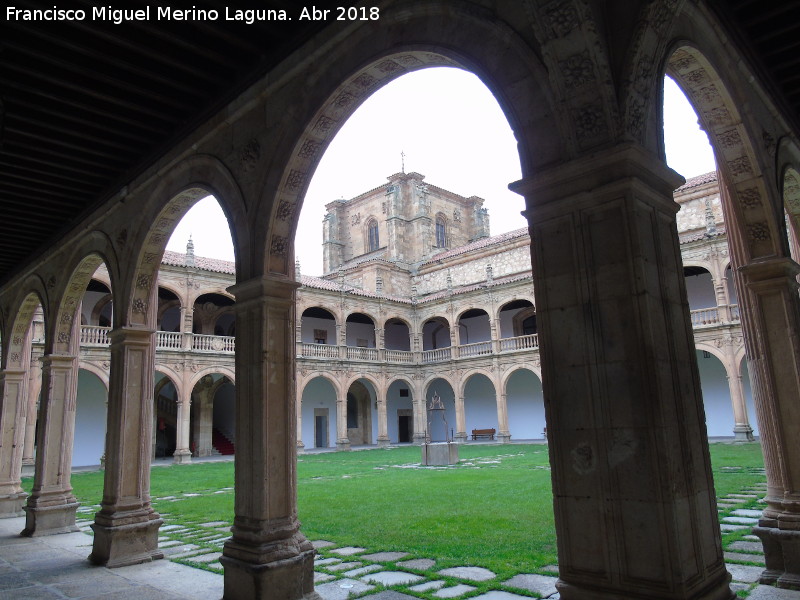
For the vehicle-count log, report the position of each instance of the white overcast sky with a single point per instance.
(451, 129)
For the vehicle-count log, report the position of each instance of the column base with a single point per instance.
(127, 544)
(743, 433)
(781, 556)
(182, 457)
(383, 442)
(50, 520)
(287, 573)
(12, 505)
(504, 438)
(460, 437)
(718, 590)
(343, 445)
(418, 439)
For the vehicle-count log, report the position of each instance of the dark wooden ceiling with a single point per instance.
(87, 106)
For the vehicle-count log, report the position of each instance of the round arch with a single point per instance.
(472, 373)
(537, 371)
(20, 317)
(213, 370)
(444, 36)
(99, 372)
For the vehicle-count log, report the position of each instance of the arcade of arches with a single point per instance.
(633, 496)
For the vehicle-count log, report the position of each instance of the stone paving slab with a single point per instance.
(753, 558)
(170, 544)
(341, 589)
(388, 578)
(740, 520)
(180, 549)
(205, 558)
(384, 556)
(748, 512)
(420, 564)
(748, 496)
(724, 527)
(347, 551)
(391, 595)
(322, 544)
(427, 586)
(469, 573)
(362, 571)
(550, 568)
(746, 546)
(213, 524)
(327, 561)
(322, 577)
(497, 595)
(540, 584)
(745, 573)
(767, 592)
(454, 591)
(344, 566)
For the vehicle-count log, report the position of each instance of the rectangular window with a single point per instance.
(320, 336)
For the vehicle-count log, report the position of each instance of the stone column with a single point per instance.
(267, 556)
(342, 441)
(503, 435)
(13, 385)
(126, 527)
(51, 506)
(183, 454)
(299, 409)
(204, 417)
(741, 429)
(420, 416)
(383, 422)
(461, 420)
(34, 386)
(634, 501)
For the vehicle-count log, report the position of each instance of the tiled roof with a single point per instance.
(476, 286)
(478, 244)
(694, 236)
(217, 265)
(333, 286)
(698, 180)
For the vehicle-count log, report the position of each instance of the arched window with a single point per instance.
(441, 232)
(372, 233)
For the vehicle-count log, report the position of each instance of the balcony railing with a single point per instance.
(522, 342)
(357, 353)
(476, 349)
(169, 340)
(400, 356)
(705, 316)
(93, 335)
(213, 343)
(318, 351)
(438, 355)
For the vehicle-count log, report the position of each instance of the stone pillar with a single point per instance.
(383, 422)
(203, 423)
(635, 508)
(342, 441)
(503, 435)
(51, 506)
(461, 420)
(13, 385)
(183, 453)
(34, 386)
(420, 416)
(267, 556)
(299, 409)
(742, 430)
(126, 527)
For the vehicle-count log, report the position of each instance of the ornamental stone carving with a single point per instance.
(249, 155)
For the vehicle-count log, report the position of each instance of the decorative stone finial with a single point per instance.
(189, 261)
(297, 270)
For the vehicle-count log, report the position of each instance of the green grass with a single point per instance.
(493, 510)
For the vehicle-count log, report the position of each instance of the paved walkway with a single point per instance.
(55, 567)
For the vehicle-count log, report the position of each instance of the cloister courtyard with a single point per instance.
(383, 523)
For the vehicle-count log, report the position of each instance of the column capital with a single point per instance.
(769, 273)
(623, 162)
(131, 334)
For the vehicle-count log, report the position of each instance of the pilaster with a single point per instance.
(267, 556)
(51, 506)
(634, 502)
(126, 527)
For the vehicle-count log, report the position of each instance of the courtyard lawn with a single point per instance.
(493, 510)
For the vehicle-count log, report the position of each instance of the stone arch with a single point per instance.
(100, 306)
(738, 157)
(711, 349)
(372, 237)
(20, 317)
(178, 190)
(329, 377)
(506, 375)
(368, 377)
(169, 376)
(99, 372)
(216, 369)
(444, 36)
